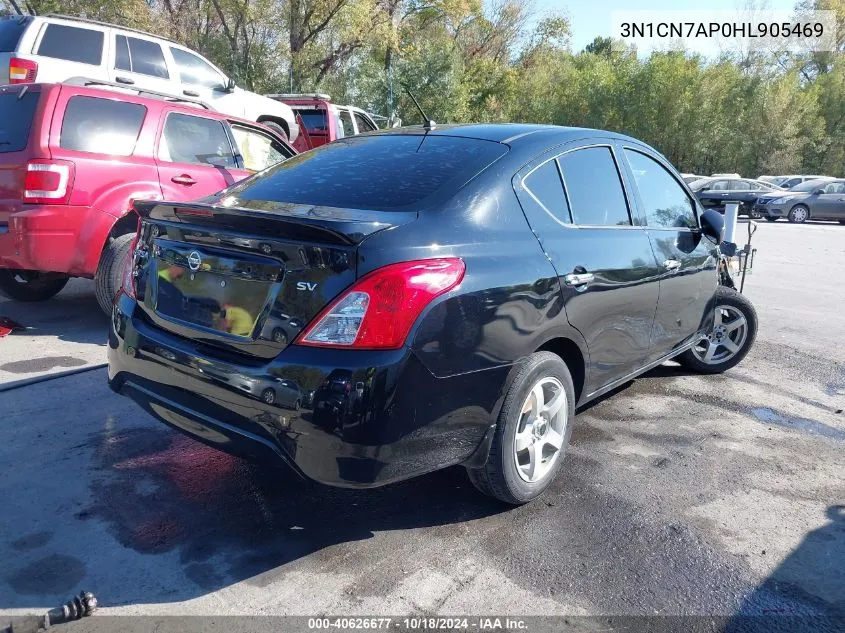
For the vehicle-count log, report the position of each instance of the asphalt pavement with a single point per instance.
(681, 494)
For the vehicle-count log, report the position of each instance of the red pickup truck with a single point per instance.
(321, 121)
(74, 157)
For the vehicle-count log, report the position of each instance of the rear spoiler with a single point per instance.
(279, 220)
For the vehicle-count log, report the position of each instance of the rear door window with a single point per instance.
(16, 114)
(102, 126)
(194, 139)
(11, 30)
(259, 151)
(315, 121)
(140, 56)
(346, 122)
(72, 44)
(594, 188)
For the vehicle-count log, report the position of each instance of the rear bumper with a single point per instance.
(400, 421)
(45, 238)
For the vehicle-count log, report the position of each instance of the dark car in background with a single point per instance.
(456, 309)
(822, 199)
(715, 193)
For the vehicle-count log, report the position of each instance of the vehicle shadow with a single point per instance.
(806, 592)
(158, 491)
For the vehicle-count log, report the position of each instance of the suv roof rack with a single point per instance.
(74, 18)
(141, 92)
(301, 95)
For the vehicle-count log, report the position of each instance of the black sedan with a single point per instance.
(451, 295)
(716, 193)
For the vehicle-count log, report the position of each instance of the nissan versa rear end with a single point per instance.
(413, 281)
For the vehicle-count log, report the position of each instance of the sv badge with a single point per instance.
(306, 285)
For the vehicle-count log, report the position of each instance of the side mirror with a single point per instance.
(818, 192)
(230, 85)
(713, 225)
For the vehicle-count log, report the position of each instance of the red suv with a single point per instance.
(74, 157)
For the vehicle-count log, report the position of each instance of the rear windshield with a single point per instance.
(810, 185)
(16, 114)
(380, 173)
(10, 33)
(314, 120)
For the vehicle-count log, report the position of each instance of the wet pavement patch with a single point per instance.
(54, 574)
(33, 365)
(770, 416)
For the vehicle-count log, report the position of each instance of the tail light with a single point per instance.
(22, 71)
(48, 182)
(378, 311)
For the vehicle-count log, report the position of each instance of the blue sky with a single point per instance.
(590, 18)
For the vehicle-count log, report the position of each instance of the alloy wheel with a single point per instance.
(726, 339)
(542, 426)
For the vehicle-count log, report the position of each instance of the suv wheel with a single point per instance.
(108, 278)
(532, 432)
(30, 285)
(278, 129)
(730, 338)
(798, 214)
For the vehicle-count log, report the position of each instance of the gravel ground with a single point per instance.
(681, 494)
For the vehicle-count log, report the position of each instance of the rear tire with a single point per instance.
(532, 432)
(30, 285)
(109, 275)
(799, 214)
(731, 336)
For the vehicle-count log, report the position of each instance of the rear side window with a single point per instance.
(315, 121)
(195, 71)
(194, 139)
(101, 126)
(544, 186)
(72, 43)
(665, 203)
(10, 33)
(594, 189)
(379, 173)
(140, 56)
(346, 123)
(16, 119)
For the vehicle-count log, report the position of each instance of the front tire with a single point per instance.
(798, 214)
(532, 432)
(109, 275)
(730, 338)
(30, 285)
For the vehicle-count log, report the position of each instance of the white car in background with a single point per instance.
(53, 49)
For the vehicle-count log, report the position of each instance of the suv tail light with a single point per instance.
(378, 311)
(48, 182)
(22, 71)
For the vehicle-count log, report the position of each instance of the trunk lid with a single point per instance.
(246, 281)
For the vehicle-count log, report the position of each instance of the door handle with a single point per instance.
(184, 179)
(578, 279)
(190, 93)
(124, 80)
(671, 264)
